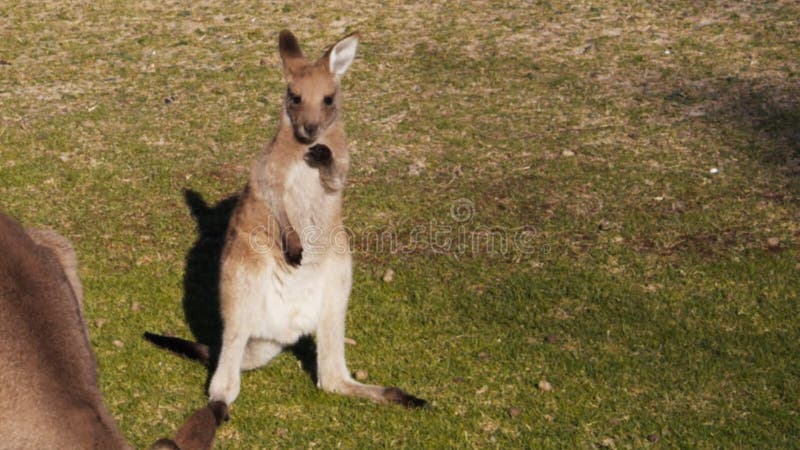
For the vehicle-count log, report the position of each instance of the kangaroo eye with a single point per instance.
(294, 98)
(328, 100)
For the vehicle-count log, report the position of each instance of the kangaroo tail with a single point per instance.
(192, 350)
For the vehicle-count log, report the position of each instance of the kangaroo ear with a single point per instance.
(197, 433)
(342, 54)
(289, 50)
(196, 204)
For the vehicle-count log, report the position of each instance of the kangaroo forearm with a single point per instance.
(332, 171)
(290, 239)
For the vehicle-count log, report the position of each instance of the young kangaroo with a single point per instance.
(48, 377)
(286, 269)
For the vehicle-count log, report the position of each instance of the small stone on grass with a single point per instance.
(545, 386)
(490, 427)
(416, 168)
(608, 443)
(388, 276)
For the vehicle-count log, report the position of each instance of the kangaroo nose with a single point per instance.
(311, 130)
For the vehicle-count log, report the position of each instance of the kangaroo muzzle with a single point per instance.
(306, 133)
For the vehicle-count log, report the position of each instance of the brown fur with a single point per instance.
(48, 384)
(49, 396)
(63, 251)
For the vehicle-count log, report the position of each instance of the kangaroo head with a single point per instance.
(312, 96)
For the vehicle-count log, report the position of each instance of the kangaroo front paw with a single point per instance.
(292, 248)
(319, 156)
(401, 397)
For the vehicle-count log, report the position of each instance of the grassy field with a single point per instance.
(601, 195)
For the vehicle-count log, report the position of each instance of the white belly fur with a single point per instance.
(287, 304)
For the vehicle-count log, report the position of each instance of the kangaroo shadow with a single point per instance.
(305, 350)
(201, 302)
(201, 277)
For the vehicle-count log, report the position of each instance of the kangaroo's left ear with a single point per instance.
(341, 55)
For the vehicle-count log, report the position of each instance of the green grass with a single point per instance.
(671, 316)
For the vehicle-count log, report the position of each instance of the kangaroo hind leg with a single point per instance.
(226, 381)
(332, 372)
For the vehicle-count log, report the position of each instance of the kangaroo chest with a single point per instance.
(310, 209)
(291, 300)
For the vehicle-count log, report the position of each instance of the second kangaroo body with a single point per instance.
(286, 268)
